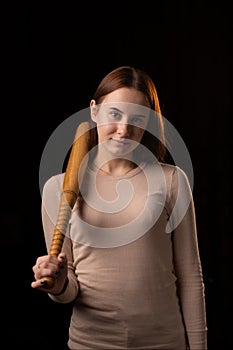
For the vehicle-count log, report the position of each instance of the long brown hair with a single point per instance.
(131, 77)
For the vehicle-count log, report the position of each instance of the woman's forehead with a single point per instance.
(129, 95)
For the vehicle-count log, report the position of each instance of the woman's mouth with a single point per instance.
(121, 141)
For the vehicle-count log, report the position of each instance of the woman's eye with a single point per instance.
(138, 121)
(115, 115)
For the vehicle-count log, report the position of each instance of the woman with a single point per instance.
(130, 261)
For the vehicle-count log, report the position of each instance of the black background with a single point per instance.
(53, 57)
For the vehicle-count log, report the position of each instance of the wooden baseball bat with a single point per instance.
(70, 190)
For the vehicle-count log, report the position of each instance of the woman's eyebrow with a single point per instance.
(134, 115)
(139, 115)
(116, 109)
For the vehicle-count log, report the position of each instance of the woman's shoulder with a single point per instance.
(171, 169)
(175, 176)
(177, 180)
(54, 183)
(168, 169)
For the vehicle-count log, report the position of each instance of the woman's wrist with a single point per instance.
(63, 289)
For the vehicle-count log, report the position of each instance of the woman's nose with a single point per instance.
(123, 129)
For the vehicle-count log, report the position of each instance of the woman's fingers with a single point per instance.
(49, 265)
(37, 284)
(62, 262)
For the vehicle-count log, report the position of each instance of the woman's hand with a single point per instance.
(50, 266)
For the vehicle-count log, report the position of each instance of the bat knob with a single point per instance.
(49, 282)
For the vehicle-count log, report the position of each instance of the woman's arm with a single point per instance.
(187, 263)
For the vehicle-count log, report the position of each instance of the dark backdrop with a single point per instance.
(53, 59)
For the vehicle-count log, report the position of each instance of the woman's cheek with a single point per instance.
(138, 134)
(105, 129)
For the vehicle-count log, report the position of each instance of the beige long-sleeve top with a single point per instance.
(134, 269)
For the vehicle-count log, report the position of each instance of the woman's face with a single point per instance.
(121, 120)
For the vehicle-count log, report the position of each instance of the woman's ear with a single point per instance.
(94, 110)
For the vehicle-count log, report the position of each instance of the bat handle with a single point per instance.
(59, 234)
(55, 249)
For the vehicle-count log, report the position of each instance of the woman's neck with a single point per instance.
(115, 167)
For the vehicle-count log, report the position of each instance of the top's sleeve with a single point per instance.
(187, 261)
(49, 210)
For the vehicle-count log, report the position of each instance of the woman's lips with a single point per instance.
(121, 141)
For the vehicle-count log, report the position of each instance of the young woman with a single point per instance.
(130, 262)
